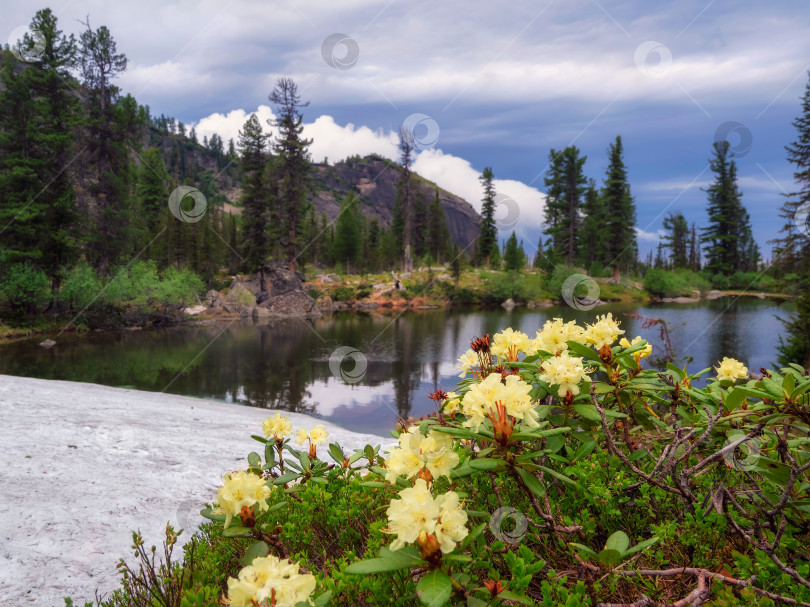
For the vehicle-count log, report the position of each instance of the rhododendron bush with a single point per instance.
(560, 471)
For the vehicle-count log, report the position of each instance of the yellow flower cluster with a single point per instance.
(279, 426)
(467, 362)
(272, 580)
(512, 394)
(731, 369)
(643, 353)
(415, 452)
(417, 512)
(452, 403)
(604, 331)
(565, 371)
(555, 335)
(317, 436)
(241, 488)
(509, 343)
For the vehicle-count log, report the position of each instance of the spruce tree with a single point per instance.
(438, 234)
(405, 193)
(293, 160)
(728, 220)
(513, 255)
(619, 229)
(565, 182)
(347, 246)
(255, 193)
(676, 239)
(152, 189)
(592, 246)
(694, 249)
(488, 230)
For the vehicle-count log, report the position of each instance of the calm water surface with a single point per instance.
(286, 364)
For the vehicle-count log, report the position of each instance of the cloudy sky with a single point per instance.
(489, 86)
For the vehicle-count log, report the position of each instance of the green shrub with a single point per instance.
(81, 286)
(558, 277)
(343, 294)
(674, 283)
(25, 287)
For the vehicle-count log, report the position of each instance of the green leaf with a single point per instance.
(531, 482)
(506, 595)
(209, 514)
(461, 471)
(286, 478)
(608, 556)
(254, 459)
(589, 412)
(559, 477)
(581, 350)
(618, 541)
(322, 600)
(275, 507)
(374, 484)
(734, 399)
(434, 588)
(485, 463)
(255, 550)
(472, 535)
(261, 439)
(584, 549)
(640, 546)
(336, 453)
(387, 560)
(236, 531)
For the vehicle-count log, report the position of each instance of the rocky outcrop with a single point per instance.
(281, 294)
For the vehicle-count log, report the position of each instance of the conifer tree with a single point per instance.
(694, 249)
(255, 193)
(565, 183)
(405, 191)
(488, 231)
(347, 246)
(676, 239)
(513, 255)
(592, 246)
(619, 230)
(438, 234)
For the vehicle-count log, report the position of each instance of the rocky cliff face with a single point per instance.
(375, 179)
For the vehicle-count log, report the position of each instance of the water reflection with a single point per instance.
(286, 364)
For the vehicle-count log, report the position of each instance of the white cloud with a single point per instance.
(649, 236)
(452, 173)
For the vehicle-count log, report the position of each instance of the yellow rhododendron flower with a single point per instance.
(466, 362)
(451, 404)
(643, 353)
(481, 398)
(565, 371)
(317, 436)
(415, 452)
(555, 335)
(241, 488)
(270, 579)
(604, 331)
(509, 343)
(415, 511)
(279, 426)
(517, 401)
(450, 528)
(731, 369)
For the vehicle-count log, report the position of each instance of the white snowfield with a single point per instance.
(83, 465)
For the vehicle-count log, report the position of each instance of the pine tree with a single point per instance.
(694, 250)
(294, 162)
(38, 216)
(565, 183)
(347, 245)
(438, 234)
(405, 191)
(513, 256)
(792, 252)
(676, 239)
(255, 193)
(152, 189)
(538, 261)
(488, 230)
(619, 229)
(728, 219)
(592, 247)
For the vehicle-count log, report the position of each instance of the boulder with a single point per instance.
(240, 295)
(324, 302)
(367, 305)
(48, 343)
(276, 279)
(296, 303)
(214, 299)
(330, 278)
(193, 311)
(714, 295)
(509, 304)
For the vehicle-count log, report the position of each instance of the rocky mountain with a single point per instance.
(375, 179)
